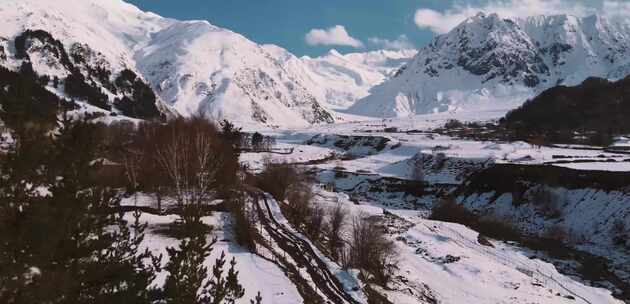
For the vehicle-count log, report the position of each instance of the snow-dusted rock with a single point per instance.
(490, 62)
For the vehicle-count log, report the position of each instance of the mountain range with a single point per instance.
(138, 64)
(193, 67)
(491, 62)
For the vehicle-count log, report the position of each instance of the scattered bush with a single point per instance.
(560, 111)
(416, 167)
(277, 178)
(556, 233)
(371, 251)
(244, 221)
(449, 210)
(336, 222)
(550, 201)
(454, 124)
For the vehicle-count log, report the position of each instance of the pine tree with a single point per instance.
(225, 289)
(234, 289)
(187, 280)
(58, 245)
(257, 299)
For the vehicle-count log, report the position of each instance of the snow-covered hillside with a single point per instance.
(339, 80)
(193, 66)
(490, 62)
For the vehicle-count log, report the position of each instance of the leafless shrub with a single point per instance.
(556, 233)
(620, 233)
(299, 204)
(336, 223)
(439, 161)
(449, 210)
(550, 201)
(315, 222)
(497, 227)
(371, 251)
(278, 178)
(416, 167)
(244, 227)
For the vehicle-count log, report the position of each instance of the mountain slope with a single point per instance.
(489, 62)
(77, 59)
(196, 66)
(339, 80)
(192, 66)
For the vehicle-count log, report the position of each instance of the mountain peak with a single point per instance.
(512, 59)
(193, 67)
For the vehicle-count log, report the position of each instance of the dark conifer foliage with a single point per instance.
(187, 281)
(57, 245)
(63, 238)
(596, 108)
(26, 105)
(50, 44)
(77, 86)
(140, 101)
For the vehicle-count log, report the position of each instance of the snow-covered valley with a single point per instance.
(526, 221)
(506, 272)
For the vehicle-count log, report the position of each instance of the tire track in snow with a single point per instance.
(302, 253)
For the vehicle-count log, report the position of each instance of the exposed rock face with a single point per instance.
(120, 59)
(490, 62)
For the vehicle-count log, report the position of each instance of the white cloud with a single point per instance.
(616, 9)
(442, 22)
(400, 43)
(336, 35)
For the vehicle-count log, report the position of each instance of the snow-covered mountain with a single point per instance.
(490, 62)
(193, 67)
(339, 80)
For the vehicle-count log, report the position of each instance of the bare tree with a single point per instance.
(299, 207)
(315, 222)
(416, 167)
(439, 160)
(337, 221)
(280, 179)
(371, 251)
(188, 157)
(244, 226)
(268, 143)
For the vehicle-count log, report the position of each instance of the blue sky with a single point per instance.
(365, 24)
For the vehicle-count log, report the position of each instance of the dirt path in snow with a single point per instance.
(302, 253)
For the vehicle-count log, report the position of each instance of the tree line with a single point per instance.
(592, 112)
(63, 238)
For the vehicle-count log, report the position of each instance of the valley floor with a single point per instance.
(438, 262)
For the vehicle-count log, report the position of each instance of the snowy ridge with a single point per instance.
(195, 67)
(341, 79)
(492, 63)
